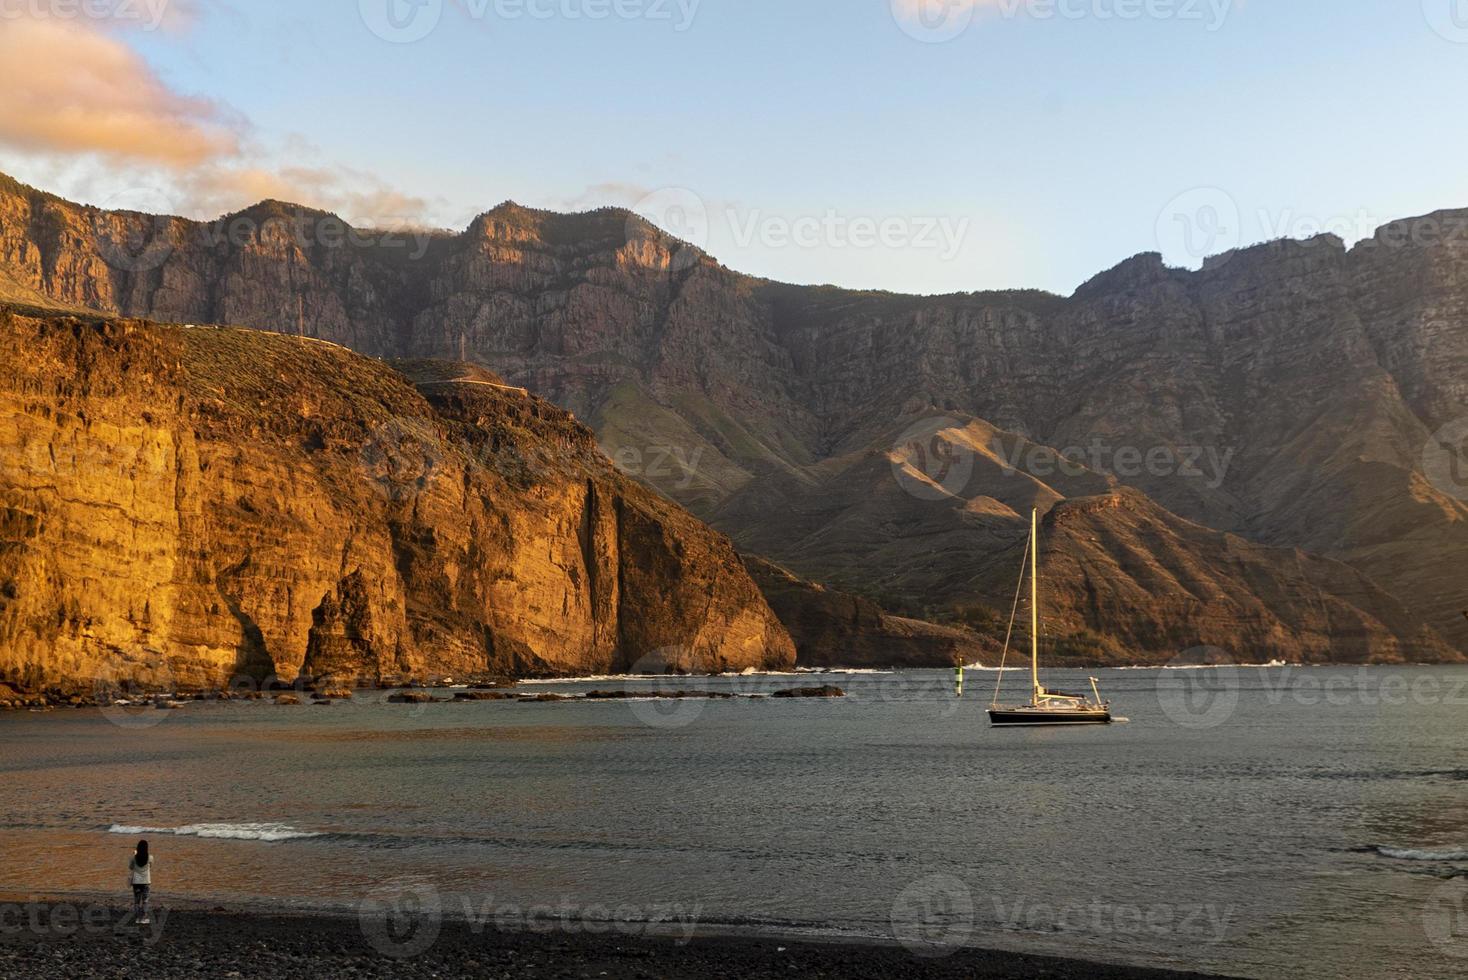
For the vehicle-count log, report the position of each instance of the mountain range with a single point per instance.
(1262, 455)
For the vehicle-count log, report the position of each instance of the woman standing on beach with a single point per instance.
(140, 873)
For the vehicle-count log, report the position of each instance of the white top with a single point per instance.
(143, 875)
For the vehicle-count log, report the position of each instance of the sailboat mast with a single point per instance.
(1035, 602)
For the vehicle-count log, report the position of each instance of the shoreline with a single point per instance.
(200, 938)
(15, 699)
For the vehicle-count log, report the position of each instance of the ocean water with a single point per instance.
(1267, 822)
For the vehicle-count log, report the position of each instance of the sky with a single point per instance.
(923, 146)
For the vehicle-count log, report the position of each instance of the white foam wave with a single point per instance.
(771, 673)
(226, 831)
(597, 678)
(1411, 854)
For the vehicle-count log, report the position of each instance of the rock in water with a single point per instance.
(410, 697)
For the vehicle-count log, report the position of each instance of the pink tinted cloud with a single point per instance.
(72, 89)
(75, 90)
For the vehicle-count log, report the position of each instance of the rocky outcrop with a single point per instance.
(182, 506)
(832, 628)
(1298, 395)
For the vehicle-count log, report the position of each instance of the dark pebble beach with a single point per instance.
(194, 943)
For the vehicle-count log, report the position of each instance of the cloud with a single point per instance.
(612, 192)
(77, 98)
(71, 89)
(360, 198)
(146, 15)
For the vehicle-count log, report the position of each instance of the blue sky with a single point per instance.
(815, 140)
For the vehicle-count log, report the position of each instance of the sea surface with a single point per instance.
(1269, 822)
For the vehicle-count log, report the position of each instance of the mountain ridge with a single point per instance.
(1314, 374)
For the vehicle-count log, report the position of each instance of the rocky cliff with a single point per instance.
(1298, 395)
(832, 628)
(1162, 583)
(184, 506)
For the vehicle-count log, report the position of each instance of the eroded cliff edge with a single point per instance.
(183, 506)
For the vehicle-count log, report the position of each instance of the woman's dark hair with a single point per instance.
(142, 854)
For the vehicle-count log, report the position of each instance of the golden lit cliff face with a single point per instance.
(183, 506)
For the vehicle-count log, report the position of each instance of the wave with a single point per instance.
(1411, 854)
(596, 678)
(768, 673)
(226, 831)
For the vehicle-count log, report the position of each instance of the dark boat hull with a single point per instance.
(1049, 716)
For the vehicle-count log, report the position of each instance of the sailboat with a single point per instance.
(1045, 707)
